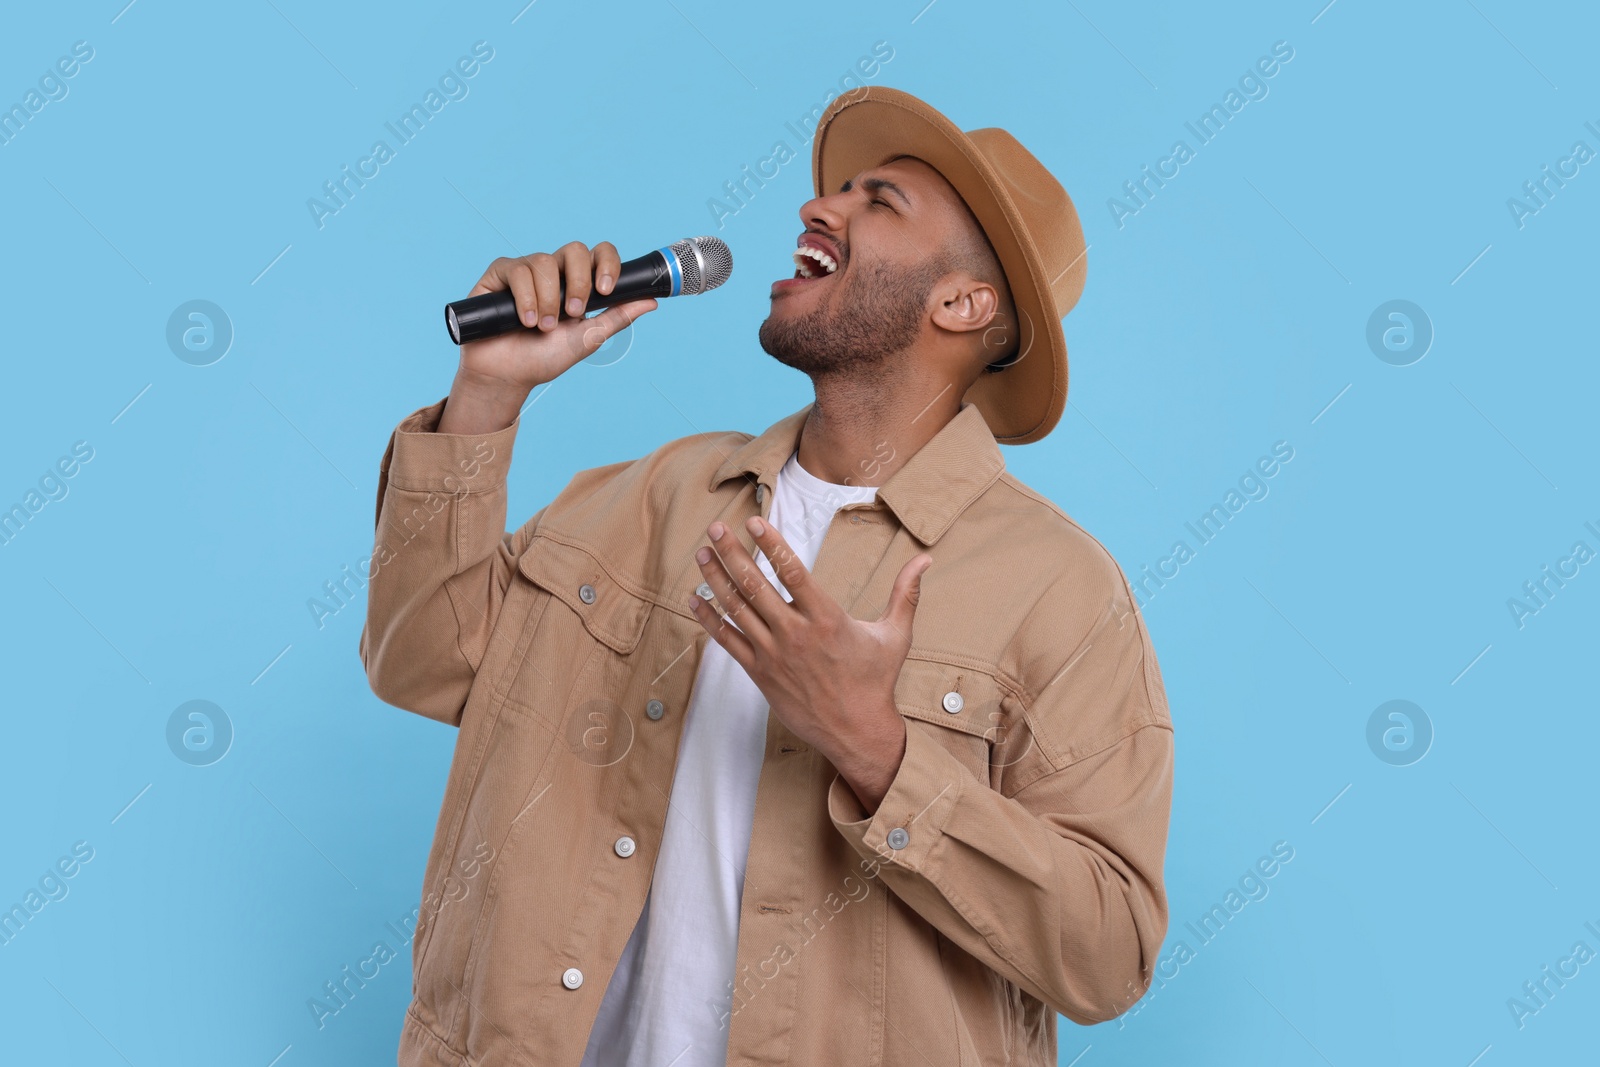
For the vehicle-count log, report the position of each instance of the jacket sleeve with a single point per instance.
(441, 563)
(1058, 887)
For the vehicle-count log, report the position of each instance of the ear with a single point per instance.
(963, 304)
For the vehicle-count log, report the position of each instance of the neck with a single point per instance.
(860, 432)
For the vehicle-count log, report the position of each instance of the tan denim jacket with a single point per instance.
(1013, 870)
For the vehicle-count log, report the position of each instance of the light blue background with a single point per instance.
(1228, 314)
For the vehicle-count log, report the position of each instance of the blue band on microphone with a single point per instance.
(672, 266)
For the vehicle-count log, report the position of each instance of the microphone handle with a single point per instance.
(488, 314)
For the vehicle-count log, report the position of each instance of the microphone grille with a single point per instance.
(705, 263)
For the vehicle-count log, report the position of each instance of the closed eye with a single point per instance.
(873, 185)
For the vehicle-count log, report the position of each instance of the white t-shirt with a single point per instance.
(668, 1001)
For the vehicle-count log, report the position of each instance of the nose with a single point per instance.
(826, 213)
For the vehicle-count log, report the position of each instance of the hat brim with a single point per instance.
(866, 128)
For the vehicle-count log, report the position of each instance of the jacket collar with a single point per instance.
(927, 494)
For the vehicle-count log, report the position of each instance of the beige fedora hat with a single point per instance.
(1026, 214)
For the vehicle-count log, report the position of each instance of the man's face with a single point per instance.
(869, 255)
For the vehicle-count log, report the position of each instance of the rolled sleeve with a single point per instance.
(925, 791)
(422, 460)
(441, 562)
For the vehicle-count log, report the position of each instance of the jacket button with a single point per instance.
(586, 593)
(655, 709)
(572, 978)
(624, 846)
(953, 703)
(703, 591)
(898, 838)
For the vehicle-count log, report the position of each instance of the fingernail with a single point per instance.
(703, 556)
(574, 307)
(603, 283)
(716, 532)
(547, 323)
(757, 527)
(694, 601)
(530, 317)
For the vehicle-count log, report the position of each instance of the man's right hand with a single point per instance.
(497, 373)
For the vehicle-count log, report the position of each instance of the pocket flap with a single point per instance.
(610, 611)
(929, 689)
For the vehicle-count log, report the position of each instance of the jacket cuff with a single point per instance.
(425, 461)
(924, 792)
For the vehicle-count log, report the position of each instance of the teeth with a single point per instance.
(808, 259)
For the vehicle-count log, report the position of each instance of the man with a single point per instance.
(832, 745)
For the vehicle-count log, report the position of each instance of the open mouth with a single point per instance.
(810, 265)
(812, 262)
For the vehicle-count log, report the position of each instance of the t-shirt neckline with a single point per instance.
(817, 488)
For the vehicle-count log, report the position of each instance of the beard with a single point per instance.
(875, 316)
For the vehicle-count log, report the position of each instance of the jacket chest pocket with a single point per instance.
(583, 628)
(966, 710)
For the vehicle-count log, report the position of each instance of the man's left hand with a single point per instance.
(827, 676)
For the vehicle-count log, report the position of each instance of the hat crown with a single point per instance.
(1043, 203)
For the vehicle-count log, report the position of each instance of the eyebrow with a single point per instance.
(873, 185)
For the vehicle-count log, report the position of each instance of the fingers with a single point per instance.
(738, 583)
(524, 286)
(787, 566)
(600, 329)
(607, 267)
(515, 275)
(547, 283)
(536, 281)
(723, 632)
(904, 596)
(576, 268)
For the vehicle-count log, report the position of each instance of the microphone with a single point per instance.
(684, 268)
